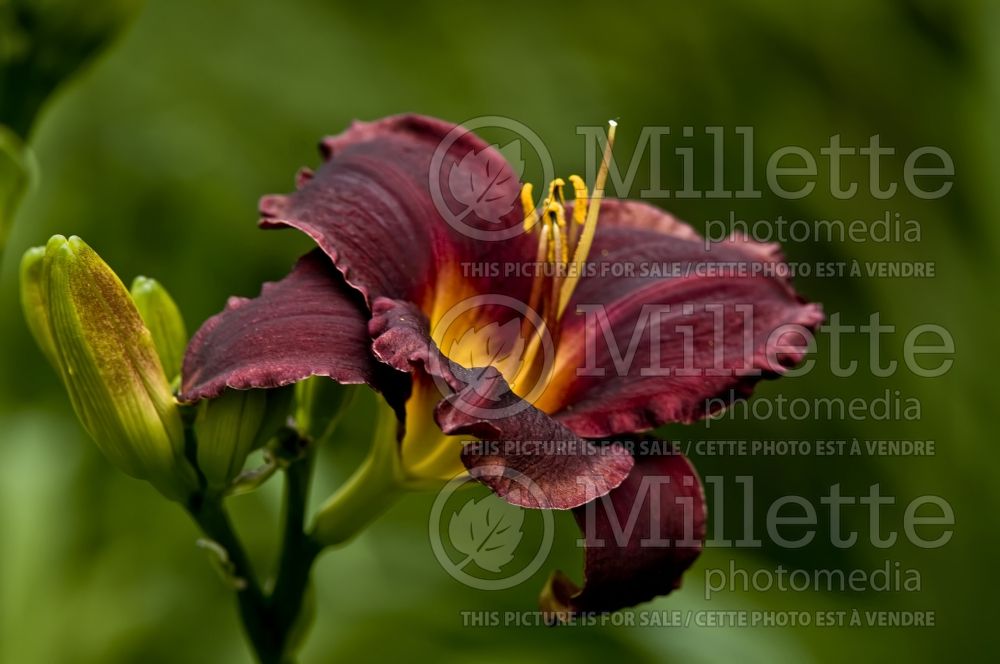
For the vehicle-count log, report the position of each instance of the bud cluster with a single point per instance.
(119, 355)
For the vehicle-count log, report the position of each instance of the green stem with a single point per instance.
(298, 553)
(251, 601)
(271, 621)
(274, 621)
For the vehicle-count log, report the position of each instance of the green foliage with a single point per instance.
(43, 42)
(13, 178)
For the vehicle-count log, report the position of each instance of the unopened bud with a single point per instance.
(84, 319)
(319, 403)
(229, 428)
(164, 321)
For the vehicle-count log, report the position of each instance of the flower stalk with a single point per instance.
(369, 492)
(274, 618)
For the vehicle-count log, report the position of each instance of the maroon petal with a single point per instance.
(308, 324)
(401, 203)
(524, 456)
(528, 458)
(640, 539)
(698, 364)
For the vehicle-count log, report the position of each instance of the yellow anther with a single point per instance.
(580, 196)
(528, 204)
(556, 192)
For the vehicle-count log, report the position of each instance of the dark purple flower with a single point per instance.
(476, 361)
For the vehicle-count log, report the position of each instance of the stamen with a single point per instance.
(557, 242)
(556, 191)
(528, 204)
(550, 229)
(558, 219)
(590, 224)
(539, 279)
(560, 256)
(542, 293)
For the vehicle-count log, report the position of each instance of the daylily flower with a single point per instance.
(476, 362)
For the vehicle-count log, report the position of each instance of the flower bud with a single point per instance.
(319, 403)
(232, 426)
(165, 323)
(84, 319)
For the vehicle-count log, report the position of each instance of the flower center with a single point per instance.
(522, 350)
(563, 247)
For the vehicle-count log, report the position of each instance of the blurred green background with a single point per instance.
(157, 153)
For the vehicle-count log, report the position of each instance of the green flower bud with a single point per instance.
(319, 403)
(165, 323)
(226, 429)
(82, 315)
(232, 426)
(279, 404)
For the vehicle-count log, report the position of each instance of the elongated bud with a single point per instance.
(229, 428)
(226, 429)
(106, 358)
(164, 321)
